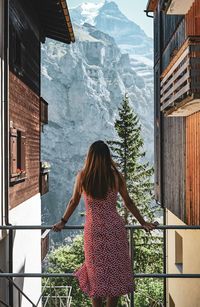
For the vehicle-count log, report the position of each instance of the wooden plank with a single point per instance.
(173, 165)
(176, 96)
(176, 75)
(175, 86)
(193, 169)
(176, 64)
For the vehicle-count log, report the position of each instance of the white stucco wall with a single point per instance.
(27, 247)
(184, 292)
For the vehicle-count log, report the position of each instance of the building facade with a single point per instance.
(177, 137)
(24, 25)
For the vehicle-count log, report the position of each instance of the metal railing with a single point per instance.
(17, 288)
(130, 228)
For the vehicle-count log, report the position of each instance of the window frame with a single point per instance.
(17, 155)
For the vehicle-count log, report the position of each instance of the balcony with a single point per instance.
(180, 81)
(55, 298)
(43, 111)
(44, 177)
(44, 243)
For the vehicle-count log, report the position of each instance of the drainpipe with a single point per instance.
(4, 94)
(160, 4)
(147, 14)
(4, 111)
(162, 166)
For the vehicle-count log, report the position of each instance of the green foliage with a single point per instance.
(66, 259)
(149, 293)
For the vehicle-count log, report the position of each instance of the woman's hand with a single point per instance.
(58, 226)
(149, 226)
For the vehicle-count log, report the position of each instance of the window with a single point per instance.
(17, 155)
(17, 51)
(171, 302)
(178, 251)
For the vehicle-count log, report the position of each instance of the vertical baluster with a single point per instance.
(131, 246)
(11, 302)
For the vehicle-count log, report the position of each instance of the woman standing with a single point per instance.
(107, 270)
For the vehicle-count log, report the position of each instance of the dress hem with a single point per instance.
(117, 294)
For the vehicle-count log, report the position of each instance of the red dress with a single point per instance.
(107, 268)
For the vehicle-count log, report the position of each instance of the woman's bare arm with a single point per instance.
(72, 204)
(129, 203)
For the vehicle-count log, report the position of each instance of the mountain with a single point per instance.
(84, 84)
(107, 17)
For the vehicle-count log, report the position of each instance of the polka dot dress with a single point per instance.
(107, 268)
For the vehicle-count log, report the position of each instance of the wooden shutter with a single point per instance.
(13, 152)
(22, 150)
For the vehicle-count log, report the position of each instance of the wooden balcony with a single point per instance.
(180, 81)
(43, 111)
(44, 243)
(44, 177)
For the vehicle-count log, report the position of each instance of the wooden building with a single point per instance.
(24, 26)
(177, 135)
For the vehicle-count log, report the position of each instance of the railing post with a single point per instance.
(131, 246)
(10, 244)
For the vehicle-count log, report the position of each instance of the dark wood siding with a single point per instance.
(172, 40)
(193, 169)
(25, 43)
(174, 165)
(157, 29)
(170, 24)
(25, 116)
(157, 131)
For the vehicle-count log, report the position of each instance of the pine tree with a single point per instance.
(128, 152)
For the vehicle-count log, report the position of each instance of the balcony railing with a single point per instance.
(180, 82)
(43, 111)
(130, 228)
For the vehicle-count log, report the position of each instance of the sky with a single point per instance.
(133, 9)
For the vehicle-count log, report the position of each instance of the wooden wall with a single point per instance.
(24, 113)
(24, 92)
(193, 169)
(174, 165)
(24, 27)
(193, 19)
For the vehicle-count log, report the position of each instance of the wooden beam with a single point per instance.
(61, 39)
(152, 5)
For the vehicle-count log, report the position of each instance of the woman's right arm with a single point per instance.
(129, 203)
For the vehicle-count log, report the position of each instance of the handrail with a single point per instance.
(9, 277)
(70, 274)
(17, 227)
(4, 304)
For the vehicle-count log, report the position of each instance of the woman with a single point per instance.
(107, 271)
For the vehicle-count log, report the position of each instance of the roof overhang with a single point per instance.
(151, 5)
(55, 20)
(178, 7)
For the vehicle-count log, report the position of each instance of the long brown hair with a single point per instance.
(97, 173)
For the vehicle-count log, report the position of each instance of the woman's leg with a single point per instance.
(97, 302)
(112, 301)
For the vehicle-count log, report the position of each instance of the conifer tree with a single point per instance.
(128, 152)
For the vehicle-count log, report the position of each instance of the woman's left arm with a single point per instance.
(71, 206)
